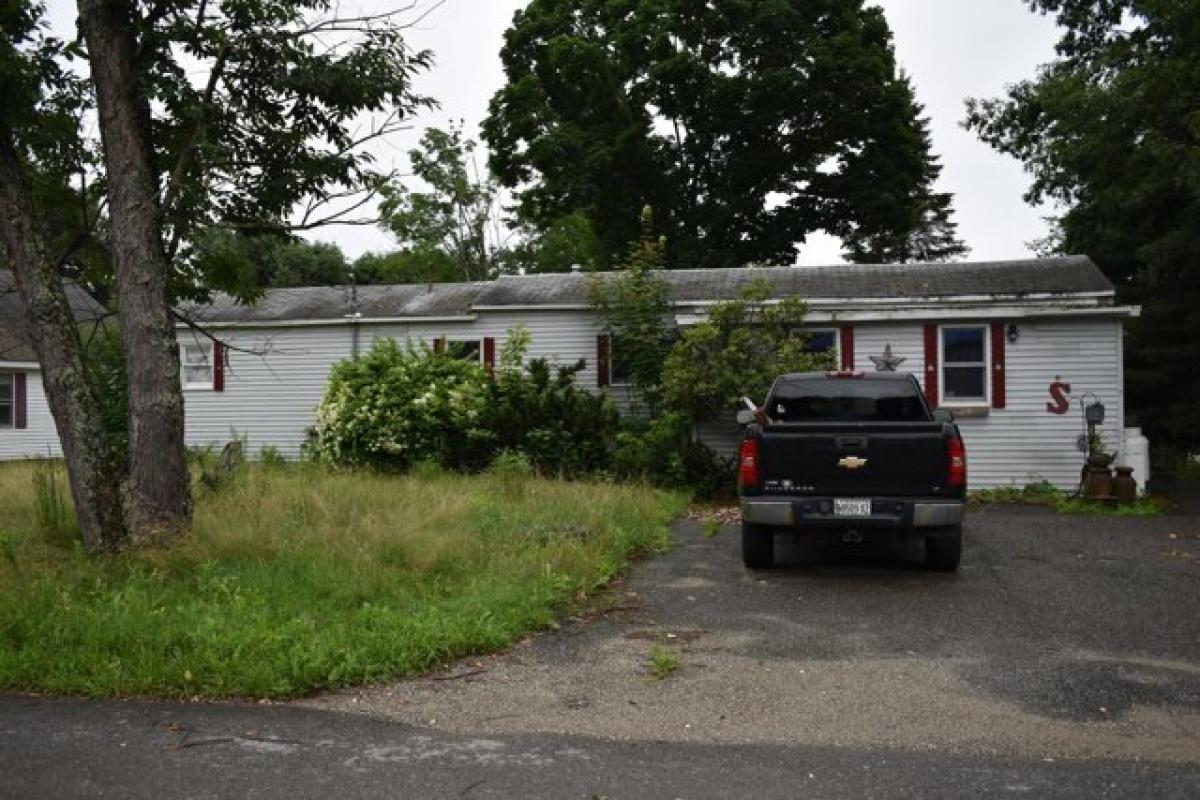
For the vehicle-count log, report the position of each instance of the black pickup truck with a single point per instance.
(854, 454)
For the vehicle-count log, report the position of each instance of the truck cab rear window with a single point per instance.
(847, 401)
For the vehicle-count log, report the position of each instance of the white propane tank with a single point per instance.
(1137, 455)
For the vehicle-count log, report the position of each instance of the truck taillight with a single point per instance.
(956, 458)
(748, 464)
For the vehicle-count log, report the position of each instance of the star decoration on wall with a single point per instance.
(888, 361)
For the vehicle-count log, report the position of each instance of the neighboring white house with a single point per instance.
(26, 427)
(1013, 347)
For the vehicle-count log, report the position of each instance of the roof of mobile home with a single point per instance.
(15, 345)
(1065, 277)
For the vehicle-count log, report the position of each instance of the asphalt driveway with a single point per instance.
(1061, 637)
(1063, 659)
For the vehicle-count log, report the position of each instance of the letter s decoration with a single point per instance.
(1060, 392)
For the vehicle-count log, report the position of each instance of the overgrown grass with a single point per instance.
(1043, 493)
(298, 579)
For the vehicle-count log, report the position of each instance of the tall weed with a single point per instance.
(49, 500)
(298, 579)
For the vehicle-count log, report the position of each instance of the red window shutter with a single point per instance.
(489, 353)
(602, 347)
(20, 402)
(998, 365)
(439, 345)
(931, 365)
(846, 334)
(218, 366)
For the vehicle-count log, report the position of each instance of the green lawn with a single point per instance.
(298, 579)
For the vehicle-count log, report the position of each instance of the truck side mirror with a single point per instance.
(745, 416)
(943, 415)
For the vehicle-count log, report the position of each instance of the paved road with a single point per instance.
(1063, 660)
(135, 750)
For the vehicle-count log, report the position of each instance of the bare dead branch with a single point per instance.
(198, 328)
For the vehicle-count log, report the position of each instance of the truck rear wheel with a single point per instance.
(944, 553)
(758, 546)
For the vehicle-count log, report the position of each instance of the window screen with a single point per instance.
(6, 401)
(964, 363)
(821, 342)
(197, 366)
(618, 360)
(848, 400)
(468, 350)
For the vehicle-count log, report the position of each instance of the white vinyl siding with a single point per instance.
(907, 341)
(275, 378)
(271, 398)
(1024, 442)
(39, 439)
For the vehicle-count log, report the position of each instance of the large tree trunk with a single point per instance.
(95, 483)
(159, 497)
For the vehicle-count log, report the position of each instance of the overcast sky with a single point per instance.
(953, 49)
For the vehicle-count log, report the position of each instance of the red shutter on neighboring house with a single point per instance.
(931, 365)
(998, 365)
(847, 346)
(218, 366)
(489, 353)
(602, 360)
(439, 345)
(20, 403)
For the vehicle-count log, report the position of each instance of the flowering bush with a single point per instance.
(397, 407)
(394, 406)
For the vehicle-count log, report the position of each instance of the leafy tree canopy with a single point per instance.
(270, 260)
(747, 124)
(560, 246)
(255, 114)
(635, 303)
(1111, 129)
(737, 352)
(456, 215)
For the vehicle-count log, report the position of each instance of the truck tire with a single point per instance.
(943, 553)
(758, 546)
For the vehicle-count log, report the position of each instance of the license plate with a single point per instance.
(851, 507)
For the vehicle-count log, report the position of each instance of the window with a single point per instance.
(824, 340)
(467, 350)
(868, 400)
(964, 365)
(7, 401)
(197, 366)
(618, 366)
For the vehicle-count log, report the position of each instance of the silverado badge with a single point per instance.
(851, 462)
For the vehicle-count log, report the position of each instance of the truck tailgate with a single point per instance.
(871, 459)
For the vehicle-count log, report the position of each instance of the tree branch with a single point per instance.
(196, 327)
(179, 173)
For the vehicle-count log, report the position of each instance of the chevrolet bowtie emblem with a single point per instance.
(851, 462)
